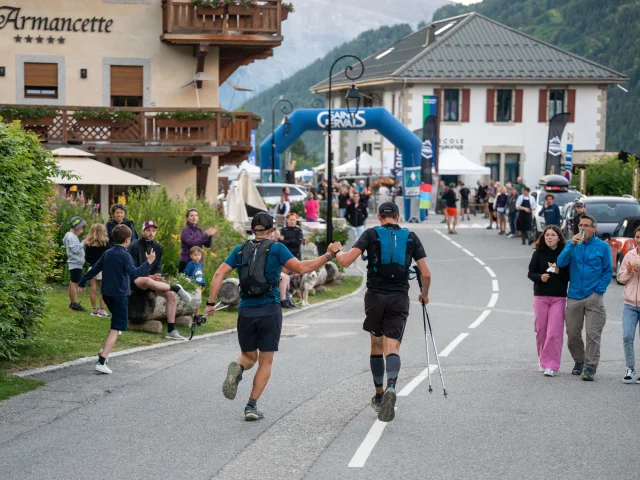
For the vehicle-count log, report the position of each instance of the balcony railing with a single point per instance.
(184, 17)
(143, 128)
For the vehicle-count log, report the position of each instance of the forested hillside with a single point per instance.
(605, 31)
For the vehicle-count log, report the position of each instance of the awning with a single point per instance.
(452, 162)
(232, 171)
(367, 163)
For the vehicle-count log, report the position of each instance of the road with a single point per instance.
(161, 415)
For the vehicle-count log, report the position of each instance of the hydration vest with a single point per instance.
(252, 268)
(392, 262)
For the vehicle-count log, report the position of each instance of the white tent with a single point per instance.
(236, 212)
(250, 194)
(232, 171)
(452, 162)
(367, 162)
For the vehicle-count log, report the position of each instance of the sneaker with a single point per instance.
(549, 372)
(76, 307)
(376, 403)
(511, 235)
(182, 293)
(638, 380)
(252, 414)
(443, 221)
(628, 378)
(94, 311)
(103, 313)
(103, 368)
(230, 385)
(469, 218)
(454, 231)
(174, 335)
(388, 410)
(540, 369)
(587, 374)
(577, 368)
(489, 227)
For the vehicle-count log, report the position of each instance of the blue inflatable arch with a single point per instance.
(377, 118)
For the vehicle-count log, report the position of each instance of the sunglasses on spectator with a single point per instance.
(582, 225)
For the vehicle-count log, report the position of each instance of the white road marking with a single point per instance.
(480, 319)
(456, 341)
(468, 252)
(493, 301)
(490, 272)
(456, 244)
(366, 447)
(494, 282)
(446, 238)
(479, 261)
(409, 387)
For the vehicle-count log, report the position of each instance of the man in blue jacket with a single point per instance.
(550, 211)
(590, 270)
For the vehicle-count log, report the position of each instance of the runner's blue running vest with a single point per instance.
(392, 260)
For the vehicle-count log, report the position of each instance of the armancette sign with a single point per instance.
(11, 16)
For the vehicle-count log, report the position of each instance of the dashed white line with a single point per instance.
(494, 283)
(479, 261)
(409, 387)
(490, 272)
(365, 449)
(493, 301)
(456, 244)
(468, 252)
(456, 341)
(480, 319)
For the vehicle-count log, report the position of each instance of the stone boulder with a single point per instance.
(148, 311)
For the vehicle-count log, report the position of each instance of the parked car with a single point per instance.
(609, 212)
(621, 240)
(562, 192)
(271, 192)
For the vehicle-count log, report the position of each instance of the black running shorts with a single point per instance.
(259, 327)
(386, 314)
(75, 274)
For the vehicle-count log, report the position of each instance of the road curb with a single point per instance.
(81, 361)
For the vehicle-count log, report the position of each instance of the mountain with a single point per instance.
(607, 32)
(313, 29)
(296, 87)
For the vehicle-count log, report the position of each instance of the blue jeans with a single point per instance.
(630, 318)
(512, 223)
(359, 230)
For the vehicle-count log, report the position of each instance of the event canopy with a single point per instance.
(367, 162)
(232, 171)
(243, 200)
(452, 162)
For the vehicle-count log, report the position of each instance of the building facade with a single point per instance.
(497, 89)
(135, 81)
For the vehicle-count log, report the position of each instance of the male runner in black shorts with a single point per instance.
(386, 304)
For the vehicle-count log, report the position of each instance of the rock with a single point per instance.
(333, 272)
(229, 293)
(184, 321)
(146, 305)
(151, 326)
(319, 289)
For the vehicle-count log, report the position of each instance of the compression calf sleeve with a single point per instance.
(377, 369)
(393, 368)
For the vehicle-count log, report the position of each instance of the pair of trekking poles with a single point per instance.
(425, 321)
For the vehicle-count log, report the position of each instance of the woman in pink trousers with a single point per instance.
(549, 298)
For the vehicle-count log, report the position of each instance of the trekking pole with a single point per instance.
(424, 323)
(202, 319)
(433, 340)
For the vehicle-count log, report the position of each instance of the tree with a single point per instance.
(609, 176)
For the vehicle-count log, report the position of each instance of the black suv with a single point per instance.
(608, 211)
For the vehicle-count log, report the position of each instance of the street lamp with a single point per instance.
(352, 95)
(286, 109)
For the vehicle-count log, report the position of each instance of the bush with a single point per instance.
(25, 235)
(609, 176)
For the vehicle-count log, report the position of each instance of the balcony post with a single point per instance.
(169, 14)
(279, 16)
(142, 118)
(65, 126)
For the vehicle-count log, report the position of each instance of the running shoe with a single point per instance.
(540, 369)
(587, 374)
(388, 410)
(76, 307)
(103, 313)
(174, 335)
(252, 414)
(182, 293)
(103, 368)
(230, 385)
(577, 368)
(489, 227)
(454, 231)
(376, 403)
(549, 372)
(628, 378)
(95, 311)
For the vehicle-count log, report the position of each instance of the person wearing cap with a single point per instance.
(75, 260)
(577, 213)
(291, 235)
(154, 280)
(386, 303)
(259, 317)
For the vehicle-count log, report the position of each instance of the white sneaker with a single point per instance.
(174, 335)
(549, 372)
(540, 369)
(628, 378)
(182, 293)
(103, 368)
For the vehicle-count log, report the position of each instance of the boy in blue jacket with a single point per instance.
(118, 272)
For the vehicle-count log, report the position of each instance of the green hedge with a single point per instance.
(26, 235)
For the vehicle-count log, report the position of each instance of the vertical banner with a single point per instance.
(358, 160)
(429, 135)
(568, 159)
(412, 181)
(554, 148)
(397, 165)
(252, 154)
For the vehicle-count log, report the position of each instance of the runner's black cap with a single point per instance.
(389, 207)
(262, 219)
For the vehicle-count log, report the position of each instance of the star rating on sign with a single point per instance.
(39, 39)
(50, 39)
(28, 38)
(17, 38)
(61, 40)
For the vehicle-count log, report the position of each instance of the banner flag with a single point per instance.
(429, 136)
(554, 148)
(425, 196)
(412, 181)
(568, 159)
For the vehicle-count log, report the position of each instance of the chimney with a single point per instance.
(431, 35)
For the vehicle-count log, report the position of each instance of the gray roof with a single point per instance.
(472, 47)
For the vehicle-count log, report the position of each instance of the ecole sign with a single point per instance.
(11, 15)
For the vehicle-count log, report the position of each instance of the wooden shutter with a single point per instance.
(491, 105)
(126, 81)
(571, 105)
(439, 92)
(40, 74)
(518, 112)
(466, 98)
(543, 103)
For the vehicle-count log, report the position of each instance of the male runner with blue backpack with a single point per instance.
(390, 250)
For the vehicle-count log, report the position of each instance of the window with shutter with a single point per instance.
(556, 103)
(491, 105)
(518, 110)
(41, 80)
(126, 86)
(466, 107)
(571, 105)
(504, 105)
(451, 105)
(542, 105)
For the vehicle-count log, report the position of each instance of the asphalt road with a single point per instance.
(161, 415)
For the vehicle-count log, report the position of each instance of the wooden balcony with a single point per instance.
(243, 35)
(144, 134)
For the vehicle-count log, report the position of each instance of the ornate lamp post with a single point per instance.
(352, 95)
(286, 108)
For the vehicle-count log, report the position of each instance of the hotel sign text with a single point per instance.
(11, 15)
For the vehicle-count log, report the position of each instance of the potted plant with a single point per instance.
(226, 119)
(102, 117)
(185, 119)
(287, 8)
(35, 116)
(319, 238)
(256, 120)
(210, 7)
(241, 7)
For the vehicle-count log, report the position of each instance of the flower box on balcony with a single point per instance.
(175, 123)
(211, 11)
(242, 11)
(36, 122)
(255, 123)
(92, 122)
(284, 14)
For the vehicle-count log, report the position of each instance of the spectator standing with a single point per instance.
(356, 214)
(589, 260)
(291, 236)
(118, 217)
(512, 211)
(311, 209)
(75, 260)
(450, 208)
(284, 206)
(629, 275)
(520, 185)
(550, 211)
(578, 212)
(549, 298)
(501, 209)
(286, 191)
(96, 243)
(524, 205)
(443, 202)
(194, 269)
(192, 236)
(481, 197)
(491, 200)
(343, 197)
(464, 201)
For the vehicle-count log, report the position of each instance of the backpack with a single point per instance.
(252, 268)
(392, 260)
